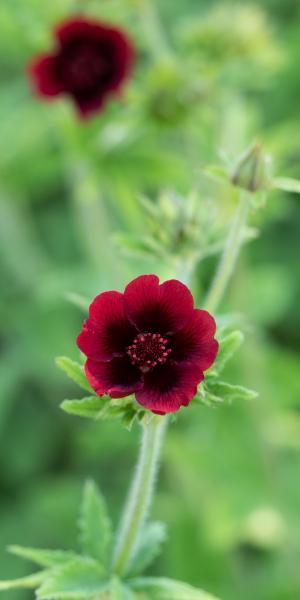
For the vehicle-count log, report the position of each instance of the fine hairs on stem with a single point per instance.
(140, 494)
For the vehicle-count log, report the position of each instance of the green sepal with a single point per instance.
(89, 407)
(228, 346)
(161, 588)
(74, 371)
(94, 524)
(79, 579)
(228, 392)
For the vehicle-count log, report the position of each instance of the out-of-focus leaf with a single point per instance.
(161, 588)
(287, 184)
(44, 558)
(120, 591)
(74, 371)
(152, 538)
(94, 524)
(31, 581)
(78, 579)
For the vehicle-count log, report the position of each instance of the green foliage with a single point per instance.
(161, 588)
(44, 558)
(74, 371)
(151, 540)
(55, 237)
(94, 524)
(81, 578)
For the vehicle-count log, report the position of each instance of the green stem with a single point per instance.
(229, 256)
(140, 494)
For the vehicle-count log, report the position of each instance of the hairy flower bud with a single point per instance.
(252, 170)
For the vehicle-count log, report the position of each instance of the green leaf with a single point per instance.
(161, 588)
(152, 538)
(44, 558)
(74, 371)
(119, 591)
(31, 581)
(94, 524)
(89, 407)
(78, 579)
(286, 184)
(228, 347)
(227, 391)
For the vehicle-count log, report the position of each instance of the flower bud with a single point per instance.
(252, 170)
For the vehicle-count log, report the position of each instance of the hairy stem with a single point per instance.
(140, 494)
(229, 256)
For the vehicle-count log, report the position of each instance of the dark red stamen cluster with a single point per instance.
(148, 350)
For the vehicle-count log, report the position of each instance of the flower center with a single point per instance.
(148, 350)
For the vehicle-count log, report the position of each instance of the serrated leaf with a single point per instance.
(78, 579)
(94, 524)
(227, 391)
(120, 591)
(227, 348)
(89, 407)
(161, 588)
(74, 371)
(152, 538)
(44, 558)
(287, 184)
(31, 581)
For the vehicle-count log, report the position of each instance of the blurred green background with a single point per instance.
(211, 76)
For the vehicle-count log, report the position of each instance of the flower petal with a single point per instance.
(158, 308)
(169, 386)
(73, 29)
(195, 341)
(43, 73)
(117, 378)
(107, 332)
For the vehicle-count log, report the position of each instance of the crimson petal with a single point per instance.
(158, 308)
(107, 332)
(117, 378)
(43, 73)
(195, 341)
(169, 386)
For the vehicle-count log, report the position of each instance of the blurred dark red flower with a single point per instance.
(149, 341)
(90, 63)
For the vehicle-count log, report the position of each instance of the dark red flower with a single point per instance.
(149, 341)
(90, 63)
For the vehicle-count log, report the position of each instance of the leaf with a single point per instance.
(31, 581)
(89, 407)
(161, 588)
(74, 371)
(152, 538)
(119, 591)
(227, 392)
(44, 558)
(94, 524)
(78, 579)
(286, 184)
(227, 348)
